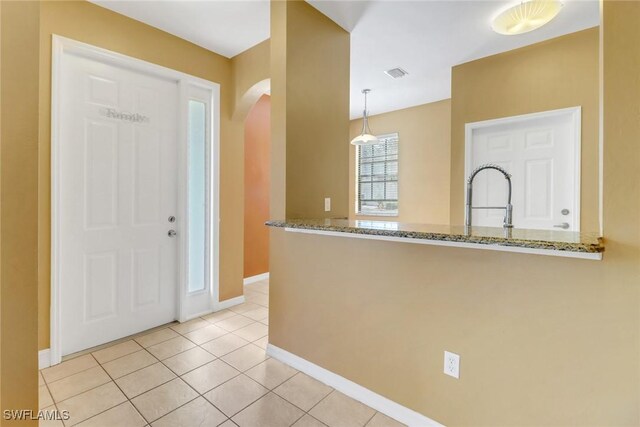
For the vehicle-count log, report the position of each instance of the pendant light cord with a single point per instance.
(364, 113)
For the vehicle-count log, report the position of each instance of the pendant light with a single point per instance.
(526, 16)
(365, 138)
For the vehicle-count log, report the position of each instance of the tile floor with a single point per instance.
(209, 371)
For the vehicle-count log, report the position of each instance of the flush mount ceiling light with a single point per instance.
(365, 137)
(526, 16)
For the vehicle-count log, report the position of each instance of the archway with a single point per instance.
(254, 109)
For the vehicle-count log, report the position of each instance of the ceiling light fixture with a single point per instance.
(365, 138)
(526, 16)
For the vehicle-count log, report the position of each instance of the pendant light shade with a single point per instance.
(365, 137)
(526, 16)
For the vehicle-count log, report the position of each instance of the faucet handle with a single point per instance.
(508, 216)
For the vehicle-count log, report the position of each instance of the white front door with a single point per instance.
(542, 154)
(118, 183)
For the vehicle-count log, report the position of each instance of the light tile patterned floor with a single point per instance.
(209, 371)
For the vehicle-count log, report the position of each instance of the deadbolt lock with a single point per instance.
(172, 218)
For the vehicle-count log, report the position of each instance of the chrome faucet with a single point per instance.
(469, 208)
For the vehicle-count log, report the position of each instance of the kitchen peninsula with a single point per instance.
(541, 242)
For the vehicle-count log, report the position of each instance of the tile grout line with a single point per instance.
(113, 380)
(115, 342)
(55, 404)
(90, 353)
(108, 374)
(121, 391)
(287, 400)
(369, 420)
(130, 400)
(196, 391)
(253, 401)
(219, 385)
(101, 412)
(320, 401)
(66, 376)
(83, 391)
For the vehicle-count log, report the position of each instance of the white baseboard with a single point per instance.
(353, 390)
(44, 358)
(257, 278)
(230, 302)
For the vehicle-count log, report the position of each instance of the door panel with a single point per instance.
(118, 186)
(538, 201)
(101, 175)
(100, 285)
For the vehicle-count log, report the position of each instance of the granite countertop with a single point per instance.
(518, 238)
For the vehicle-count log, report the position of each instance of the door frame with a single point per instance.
(576, 119)
(62, 46)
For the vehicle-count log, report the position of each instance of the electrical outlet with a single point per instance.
(452, 364)
(327, 204)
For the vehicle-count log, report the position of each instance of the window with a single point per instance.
(377, 177)
(197, 195)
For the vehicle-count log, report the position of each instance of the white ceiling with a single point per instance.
(227, 27)
(426, 37)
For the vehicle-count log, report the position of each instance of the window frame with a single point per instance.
(388, 214)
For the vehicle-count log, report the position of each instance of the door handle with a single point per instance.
(564, 225)
(172, 233)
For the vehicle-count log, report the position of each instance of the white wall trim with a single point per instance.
(256, 278)
(533, 251)
(44, 358)
(353, 390)
(61, 45)
(230, 302)
(576, 116)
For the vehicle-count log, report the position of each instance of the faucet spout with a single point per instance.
(508, 216)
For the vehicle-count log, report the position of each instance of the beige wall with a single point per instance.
(249, 68)
(543, 340)
(310, 104)
(558, 73)
(92, 24)
(278, 73)
(18, 207)
(423, 165)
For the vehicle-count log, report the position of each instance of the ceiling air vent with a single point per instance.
(396, 73)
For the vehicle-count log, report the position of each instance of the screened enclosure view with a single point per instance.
(377, 177)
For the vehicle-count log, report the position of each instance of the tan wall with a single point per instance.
(310, 102)
(543, 340)
(278, 72)
(423, 165)
(249, 67)
(92, 24)
(18, 207)
(558, 73)
(257, 174)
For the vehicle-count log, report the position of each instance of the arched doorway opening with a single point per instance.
(254, 108)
